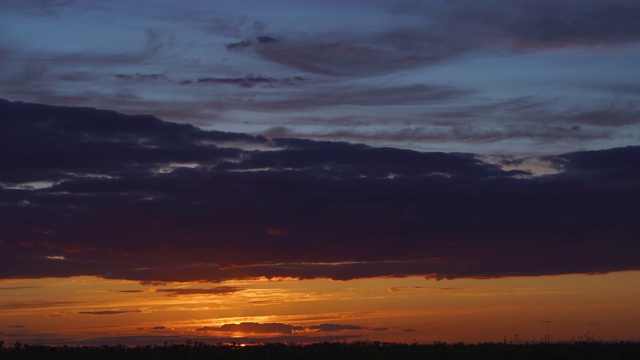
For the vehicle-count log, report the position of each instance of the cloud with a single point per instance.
(355, 95)
(585, 23)
(238, 46)
(621, 164)
(605, 117)
(379, 328)
(266, 39)
(428, 288)
(439, 31)
(247, 82)
(35, 304)
(334, 327)
(109, 312)
(492, 133)
(9, 288)
(245, 44)
(431, 32)
(280, 329)
(220, 290)
(255, 328)
(140, 77)
(138, 198)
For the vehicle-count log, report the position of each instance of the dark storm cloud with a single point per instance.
(89, 192)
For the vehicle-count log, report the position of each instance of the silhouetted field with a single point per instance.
(334, 350)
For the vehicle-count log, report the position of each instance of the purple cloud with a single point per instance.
(135, 197)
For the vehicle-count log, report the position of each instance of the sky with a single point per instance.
(304, 171)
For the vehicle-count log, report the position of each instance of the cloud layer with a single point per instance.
(93, 192)
(530, 77)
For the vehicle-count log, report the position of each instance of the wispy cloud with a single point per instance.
(220, 290)
(109, 312)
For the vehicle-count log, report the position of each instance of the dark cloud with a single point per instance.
(160, 338)
(586, 23)
(379, 328)
(541, 133)
(255, 328)
(529, 120)
(413, 288)
(134, 197)
(244, 44)
(605, 118)
(109, 312)
(450, 29)
(335, 327)
(139, 77)
(248, 81)
(18, 288)
(159, 328)
(220, 290)
(266, 39)
(620, 164)
(238, 46)
(35, 304)
(279, 328)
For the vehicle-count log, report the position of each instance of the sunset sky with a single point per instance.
(304, 171)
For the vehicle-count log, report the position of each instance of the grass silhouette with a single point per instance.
(590, 349)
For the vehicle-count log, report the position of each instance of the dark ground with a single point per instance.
(335, 350)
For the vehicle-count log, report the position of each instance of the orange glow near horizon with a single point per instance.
(89, 310)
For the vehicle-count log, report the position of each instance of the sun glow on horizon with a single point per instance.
(389, 309)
